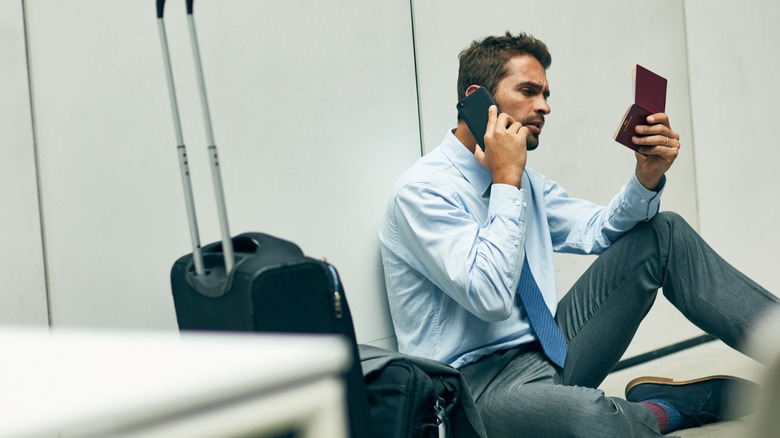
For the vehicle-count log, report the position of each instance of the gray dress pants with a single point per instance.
(520, 393)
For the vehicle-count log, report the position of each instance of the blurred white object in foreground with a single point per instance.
(764, 345)
(151, 384)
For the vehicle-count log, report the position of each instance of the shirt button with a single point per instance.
(524, 204)
(643, 201)
(517, 203)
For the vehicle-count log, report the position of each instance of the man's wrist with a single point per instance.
(511, 178)
(649, 185)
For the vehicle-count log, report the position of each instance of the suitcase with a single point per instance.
(273, 288)
(255, 282)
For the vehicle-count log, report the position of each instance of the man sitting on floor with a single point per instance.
(468, 245)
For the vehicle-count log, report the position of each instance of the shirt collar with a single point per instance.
(466, 163)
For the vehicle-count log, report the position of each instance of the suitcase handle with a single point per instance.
(253, 243)
(259, 248)
(216, 177)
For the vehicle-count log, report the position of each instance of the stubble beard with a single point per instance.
(531, 142)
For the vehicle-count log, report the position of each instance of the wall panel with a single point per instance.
(734, 60)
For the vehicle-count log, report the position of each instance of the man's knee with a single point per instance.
(668, 219)
(658, 234)
(668, 224)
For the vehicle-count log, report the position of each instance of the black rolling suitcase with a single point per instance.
(255, 282)
(273, 288)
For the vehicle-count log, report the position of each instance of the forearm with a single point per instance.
(473, 256)
(579, 226)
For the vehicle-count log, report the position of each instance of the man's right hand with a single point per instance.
(505, 148)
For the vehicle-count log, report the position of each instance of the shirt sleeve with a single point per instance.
(583, 227)
(475, 260)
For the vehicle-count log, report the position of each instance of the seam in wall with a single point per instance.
(416, 78)
(690, 109)
(37, 164)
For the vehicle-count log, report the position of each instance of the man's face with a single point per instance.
(523, 95)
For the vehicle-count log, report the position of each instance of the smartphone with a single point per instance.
(474, 110)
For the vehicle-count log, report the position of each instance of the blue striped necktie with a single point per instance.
(542, 321)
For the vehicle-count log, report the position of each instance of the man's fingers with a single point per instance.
(656, 130)
(492, 118)
(524, 132)
(666, 152)
(666, 139)
(658, 118)
(515, 127)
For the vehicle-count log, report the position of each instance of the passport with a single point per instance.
(649, 98)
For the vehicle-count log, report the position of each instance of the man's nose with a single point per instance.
(542, 106)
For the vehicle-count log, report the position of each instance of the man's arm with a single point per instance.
(582, 227)
(475, 260)
(505, 152)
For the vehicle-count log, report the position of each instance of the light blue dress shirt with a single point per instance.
(453, 245)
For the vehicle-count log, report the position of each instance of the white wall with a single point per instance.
(315, 111)
(23, 293)
(734, 64)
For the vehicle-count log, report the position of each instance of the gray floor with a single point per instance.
(707, 359)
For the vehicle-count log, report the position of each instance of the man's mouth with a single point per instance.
(535, 126)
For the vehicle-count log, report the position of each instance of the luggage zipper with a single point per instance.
(336, 294)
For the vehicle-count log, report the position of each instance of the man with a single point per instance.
(468, 250)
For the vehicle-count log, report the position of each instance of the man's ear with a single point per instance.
(472, 88)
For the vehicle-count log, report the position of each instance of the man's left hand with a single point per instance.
(658, 148)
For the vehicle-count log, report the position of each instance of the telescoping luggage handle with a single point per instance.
(227, 244)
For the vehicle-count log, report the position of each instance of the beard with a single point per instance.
(532, 141)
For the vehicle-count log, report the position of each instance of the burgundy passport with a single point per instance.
(649, 98)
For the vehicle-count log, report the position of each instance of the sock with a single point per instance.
(668, 417)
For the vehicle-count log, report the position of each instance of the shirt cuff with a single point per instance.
(646, 201)
(508, 201)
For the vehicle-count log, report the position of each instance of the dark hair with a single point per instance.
(484, 61)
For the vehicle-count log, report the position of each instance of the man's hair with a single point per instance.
(484, 61)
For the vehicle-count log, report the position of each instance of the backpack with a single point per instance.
(413, 397)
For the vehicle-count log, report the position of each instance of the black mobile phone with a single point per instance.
(474, 110)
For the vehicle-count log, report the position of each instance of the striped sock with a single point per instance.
(668, 417)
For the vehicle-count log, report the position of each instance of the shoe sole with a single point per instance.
(672, 382)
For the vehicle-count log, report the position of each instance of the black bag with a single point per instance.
(406, 402)
(411, 397)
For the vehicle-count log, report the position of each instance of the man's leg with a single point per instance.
(600, 314)
(518, 393)
(521, 392)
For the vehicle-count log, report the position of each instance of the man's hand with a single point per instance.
(658, 148)
(505, 150)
